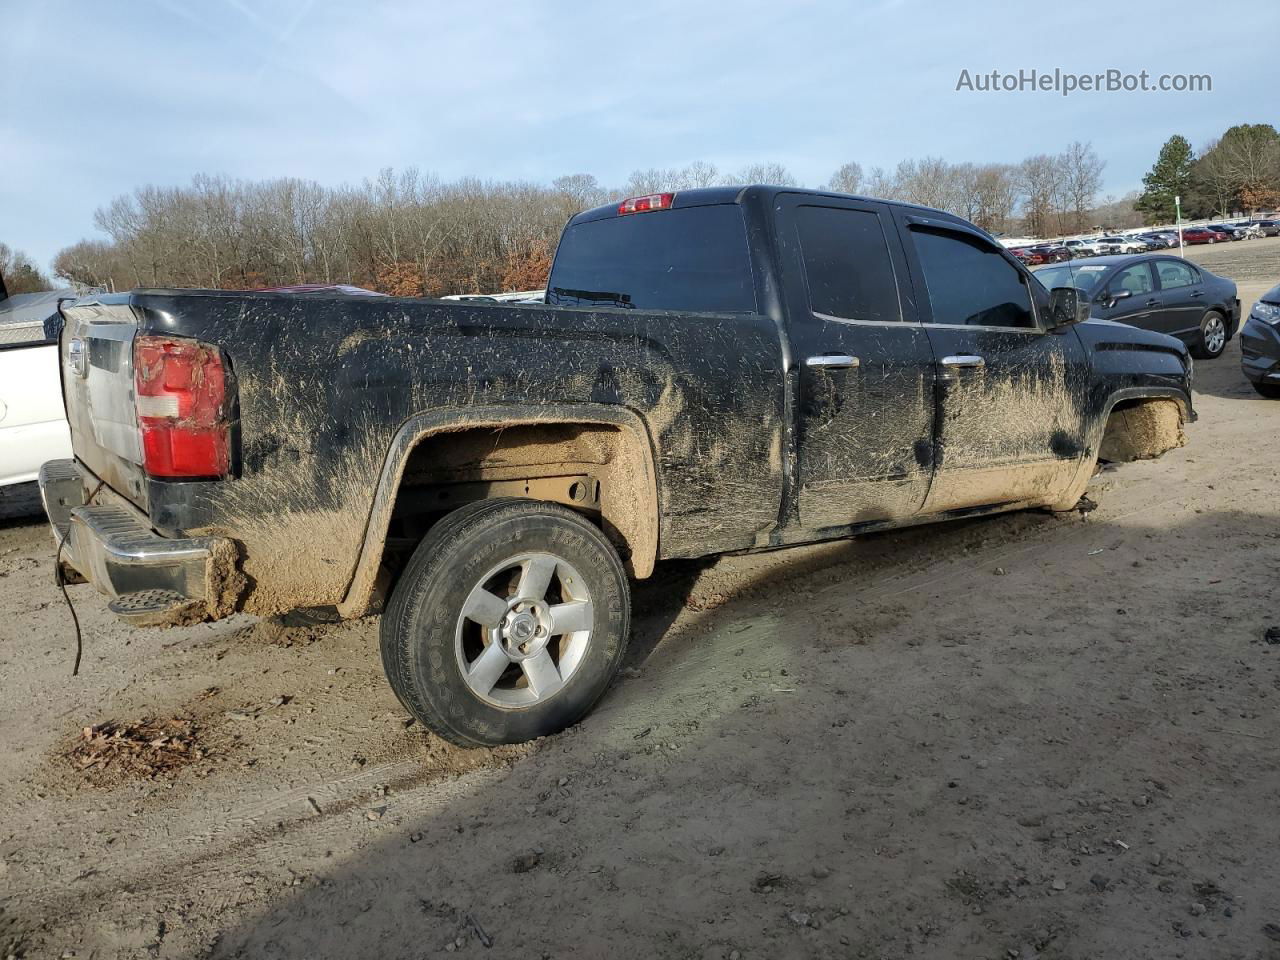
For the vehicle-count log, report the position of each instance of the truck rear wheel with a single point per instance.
(508, 624)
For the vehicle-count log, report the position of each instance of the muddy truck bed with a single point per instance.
(716, 370)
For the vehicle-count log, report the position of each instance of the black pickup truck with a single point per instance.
(714, 370)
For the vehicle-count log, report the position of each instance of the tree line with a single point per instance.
(411, 234)
(1237, 172)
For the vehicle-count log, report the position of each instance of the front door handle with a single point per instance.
(963, 361)
(832, 361)
(1153, 302)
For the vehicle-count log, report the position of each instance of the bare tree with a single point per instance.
(881, 184)
(1039, 181)
(700, 173)
(848, 179)
(1080, 179)
(1216, 180)
(989, 194)
(930, 182)
(772, 173)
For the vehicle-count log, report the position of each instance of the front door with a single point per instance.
(865, 403)
(1131, 297)
(1010, 394)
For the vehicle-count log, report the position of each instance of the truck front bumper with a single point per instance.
(149, 578)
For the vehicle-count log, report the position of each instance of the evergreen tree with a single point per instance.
(1170, 177)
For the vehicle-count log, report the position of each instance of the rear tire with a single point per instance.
(1213, 336)
(508, 624)
(1269, 390)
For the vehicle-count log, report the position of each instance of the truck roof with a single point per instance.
(705, 196)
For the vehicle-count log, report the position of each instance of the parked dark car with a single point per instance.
(1157, 292)
(1232, 230)
(1052, 252)
(713, 370)
(1260, 345)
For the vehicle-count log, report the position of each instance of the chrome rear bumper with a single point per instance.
(113, 547)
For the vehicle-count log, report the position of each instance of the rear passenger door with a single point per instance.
(1009, 393)
(1183, 294)
(864, 418)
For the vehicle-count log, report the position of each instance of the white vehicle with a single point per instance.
(1121, 245)
(33, 423)
(1081, 248)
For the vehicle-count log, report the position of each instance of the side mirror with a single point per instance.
(1066, 308)
(1111, 297)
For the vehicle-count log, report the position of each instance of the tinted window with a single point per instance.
(847, 265)
(969, 283)
(1175, 274)
(693, 259)
(1136, 279)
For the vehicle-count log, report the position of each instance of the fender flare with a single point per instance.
(1094, 440)
(360, 592)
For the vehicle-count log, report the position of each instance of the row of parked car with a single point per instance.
(1056, 252)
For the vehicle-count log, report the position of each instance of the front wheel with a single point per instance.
(1269, 390)
(1213, 336)
(508, 624)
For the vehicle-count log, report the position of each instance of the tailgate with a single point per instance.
(97, 384)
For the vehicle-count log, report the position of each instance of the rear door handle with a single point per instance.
(832, 361)
(1197, 293)
(963, 361)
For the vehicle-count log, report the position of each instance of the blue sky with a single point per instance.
(98, 98)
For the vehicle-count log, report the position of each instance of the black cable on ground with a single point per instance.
(62, 585)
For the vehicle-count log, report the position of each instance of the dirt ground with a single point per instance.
(1025, 736)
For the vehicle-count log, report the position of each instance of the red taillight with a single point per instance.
(655, 201)
(181, 395)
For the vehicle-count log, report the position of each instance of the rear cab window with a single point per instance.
(688, 259)
(847, 265)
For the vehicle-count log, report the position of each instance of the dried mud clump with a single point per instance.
(112, 752)
(1142, 432)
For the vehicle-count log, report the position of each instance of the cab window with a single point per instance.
(847, 264)
(970, 283)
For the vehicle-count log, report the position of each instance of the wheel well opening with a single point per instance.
(1142, 429)
(601, 470)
